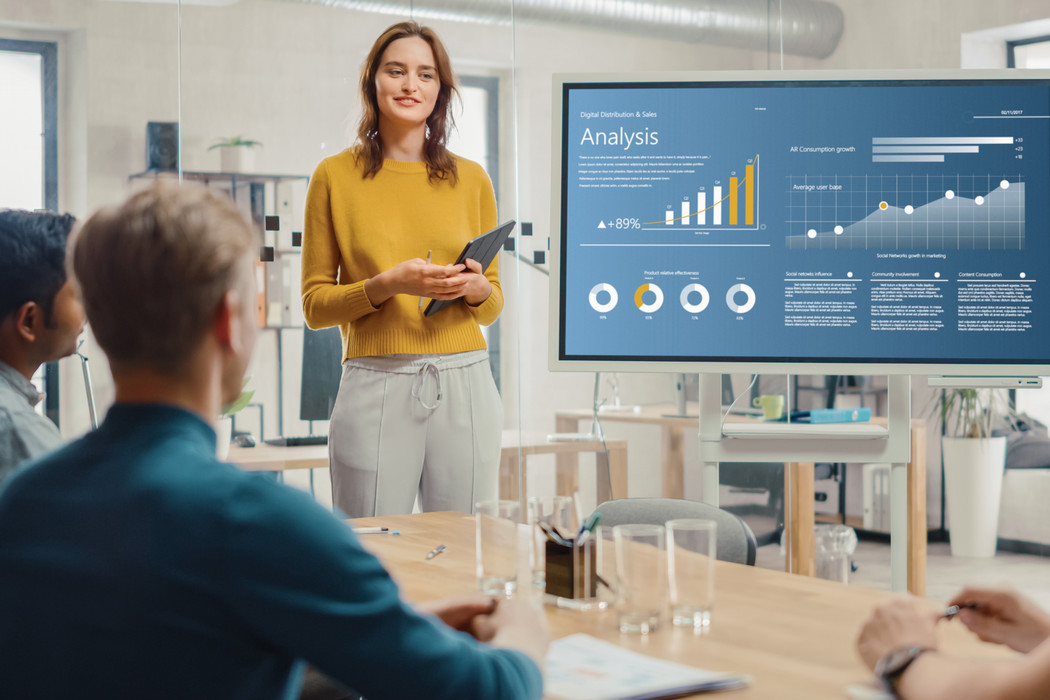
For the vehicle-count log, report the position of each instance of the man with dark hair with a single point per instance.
(40, 319)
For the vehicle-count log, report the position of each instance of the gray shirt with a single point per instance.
(24, 433)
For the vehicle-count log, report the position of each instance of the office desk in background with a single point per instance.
(793, 634)
(610, 464)
(798, 481)
(610, 461)
(272, 458)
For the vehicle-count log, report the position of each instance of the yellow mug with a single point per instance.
(772, 405)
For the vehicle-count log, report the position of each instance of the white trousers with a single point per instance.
(404, 425)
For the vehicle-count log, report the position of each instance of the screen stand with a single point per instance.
(595, 433)
(87, 386)
(781, 444)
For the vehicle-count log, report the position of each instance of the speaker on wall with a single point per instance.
(162, 145)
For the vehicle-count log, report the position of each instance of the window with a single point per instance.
(1028, 53)
(29, 144)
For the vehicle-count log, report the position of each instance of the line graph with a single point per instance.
(906, 212)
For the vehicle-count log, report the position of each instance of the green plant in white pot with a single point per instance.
(973, 467)
(236, 154)
(224, 426)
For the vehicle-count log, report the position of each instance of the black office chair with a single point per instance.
(736, 542)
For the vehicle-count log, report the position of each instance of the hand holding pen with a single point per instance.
(1002, 616)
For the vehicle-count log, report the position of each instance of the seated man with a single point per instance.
(40, 319)
(134, 564)
(899, 641)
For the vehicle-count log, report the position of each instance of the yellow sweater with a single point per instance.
(357, 228)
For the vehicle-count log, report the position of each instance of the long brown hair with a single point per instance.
(440, 163)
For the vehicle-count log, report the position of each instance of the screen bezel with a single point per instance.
(557, 361)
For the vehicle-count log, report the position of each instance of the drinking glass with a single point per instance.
(692, 549)
(496, 546)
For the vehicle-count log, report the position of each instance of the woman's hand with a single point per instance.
(478, 286)
(1003, 616)
(418, 278)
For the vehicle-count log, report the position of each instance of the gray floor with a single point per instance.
(945, 574)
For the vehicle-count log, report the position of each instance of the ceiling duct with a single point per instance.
(811, 27)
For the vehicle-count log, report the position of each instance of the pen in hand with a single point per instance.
(953, 610)
(422, 298)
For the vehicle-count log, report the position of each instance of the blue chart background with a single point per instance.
(722, 126)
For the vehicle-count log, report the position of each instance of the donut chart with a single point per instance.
(740, 288)
(640, 303)
(598, 289)
(699, 306)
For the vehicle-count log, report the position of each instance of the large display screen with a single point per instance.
(861, 221)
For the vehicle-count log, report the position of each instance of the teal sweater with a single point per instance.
(133, 564)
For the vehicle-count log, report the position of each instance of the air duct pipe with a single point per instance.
(810, 27)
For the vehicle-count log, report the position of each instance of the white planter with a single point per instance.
(973, 473)
(237, 159)
(223, 436)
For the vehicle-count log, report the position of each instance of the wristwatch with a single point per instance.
(890, 667)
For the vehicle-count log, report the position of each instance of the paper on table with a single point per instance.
(582, 667)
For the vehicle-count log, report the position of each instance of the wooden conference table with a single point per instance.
(798, 481)
(794, 635)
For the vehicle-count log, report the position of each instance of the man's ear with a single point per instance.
(223, 320)
(29, 321)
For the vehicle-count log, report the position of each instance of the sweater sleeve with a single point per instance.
(326, 302)
(299, 578)
(489, 310)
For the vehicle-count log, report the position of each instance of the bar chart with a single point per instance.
(934, 149)
(729, 203)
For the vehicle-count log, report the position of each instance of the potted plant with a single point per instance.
(236, 154)
(224, 426)
(973, 467)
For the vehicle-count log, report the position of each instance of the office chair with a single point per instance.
(736, 542)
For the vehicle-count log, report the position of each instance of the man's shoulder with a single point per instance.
(24, 433)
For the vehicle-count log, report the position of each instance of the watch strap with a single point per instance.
(891, 666)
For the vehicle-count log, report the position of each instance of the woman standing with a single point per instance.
(417, 410)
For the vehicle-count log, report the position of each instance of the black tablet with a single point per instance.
(482, 249)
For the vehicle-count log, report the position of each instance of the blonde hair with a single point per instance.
(153, 270)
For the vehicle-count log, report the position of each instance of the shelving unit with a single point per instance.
(259, 196)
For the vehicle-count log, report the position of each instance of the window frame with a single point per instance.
(490, 84)
(1011, 44)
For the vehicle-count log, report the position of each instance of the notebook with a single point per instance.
(582, 667)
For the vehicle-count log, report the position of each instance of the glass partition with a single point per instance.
(284, 73)
(109, 69)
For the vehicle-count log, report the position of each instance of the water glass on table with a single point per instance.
(556, 511)
(496, 546)
(692, 549)
(641, 577)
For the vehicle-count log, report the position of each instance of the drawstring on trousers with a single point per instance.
(428, 368)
